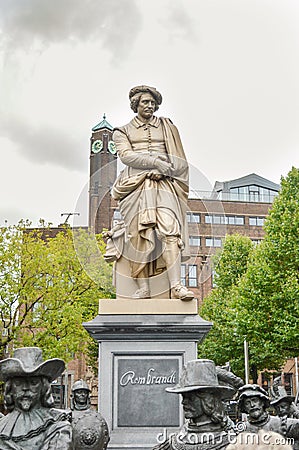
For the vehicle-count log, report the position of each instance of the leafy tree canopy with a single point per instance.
(222, 344)
(49, 285)
(262, 302)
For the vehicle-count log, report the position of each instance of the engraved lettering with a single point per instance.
(130, 377)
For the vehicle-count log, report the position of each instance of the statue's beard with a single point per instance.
(25, 402)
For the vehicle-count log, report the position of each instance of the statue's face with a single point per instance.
(283, 408)
(26, 392)
(81, 396)
(254, 406)
(192, 405)
(146, 107)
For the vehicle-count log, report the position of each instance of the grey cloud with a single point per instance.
(43, 145)
(25, 23)
(179, 21)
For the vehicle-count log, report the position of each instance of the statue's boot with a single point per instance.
(143, 290)
(172, 258)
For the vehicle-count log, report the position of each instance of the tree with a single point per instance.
(262, 302)
(222, 344)
(49, 285)
(268, 294)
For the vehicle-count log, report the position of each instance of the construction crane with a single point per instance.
(68, 216)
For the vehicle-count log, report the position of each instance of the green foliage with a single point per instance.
(260, 302)
(49, 286)
(269, 293)
(222, 344)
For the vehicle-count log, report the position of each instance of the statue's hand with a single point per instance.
(163, 158)
(164, 167)
(155, 175)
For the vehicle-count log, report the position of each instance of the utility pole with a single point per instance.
(296, 380)
(246, 359)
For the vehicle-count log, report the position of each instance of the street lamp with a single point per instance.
(246, 361)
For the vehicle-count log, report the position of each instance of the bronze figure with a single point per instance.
(32, 423)
(283, 403)
(207, 424)
(254, 401)
(80, 398)
(90, 430)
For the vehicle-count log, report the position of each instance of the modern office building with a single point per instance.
(235, 206)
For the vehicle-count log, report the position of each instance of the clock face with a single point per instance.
(112, 147)
(97, 146)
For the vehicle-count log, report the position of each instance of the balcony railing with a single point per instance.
(232, 196)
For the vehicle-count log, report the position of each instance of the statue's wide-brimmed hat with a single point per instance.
(28, 361)
(200, 375)
(282, 397)
(143, 89)
(252, 390)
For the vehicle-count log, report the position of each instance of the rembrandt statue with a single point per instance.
(32, 423)
(152, 191)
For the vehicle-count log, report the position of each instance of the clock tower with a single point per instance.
(102, 174)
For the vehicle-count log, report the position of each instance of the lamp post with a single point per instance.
(246, 361)
(296, 380)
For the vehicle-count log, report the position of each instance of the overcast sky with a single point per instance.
(228, 71)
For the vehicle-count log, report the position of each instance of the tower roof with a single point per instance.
(103, 124)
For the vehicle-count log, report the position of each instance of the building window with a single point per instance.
(238, 220)
(183, 274)
(189, 275)
(252, 193)
(193, 217)
(288, 383)
(117, 217)
(194, 241)
(192, 275)
(257, 221)
(213, 242)
(266, 378)
(217, 219)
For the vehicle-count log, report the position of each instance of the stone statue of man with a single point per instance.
(32, 423)
(152, 192)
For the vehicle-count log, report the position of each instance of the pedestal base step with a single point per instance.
(147, 306)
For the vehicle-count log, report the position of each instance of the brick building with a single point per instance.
(235, 206)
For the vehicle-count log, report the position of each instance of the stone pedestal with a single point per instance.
(143, 345)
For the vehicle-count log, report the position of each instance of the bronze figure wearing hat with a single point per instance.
(207, 423)
(90, 430)
(283, 403)
(152, 191)
(32, 423)
(80, 397)
(254, 401)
